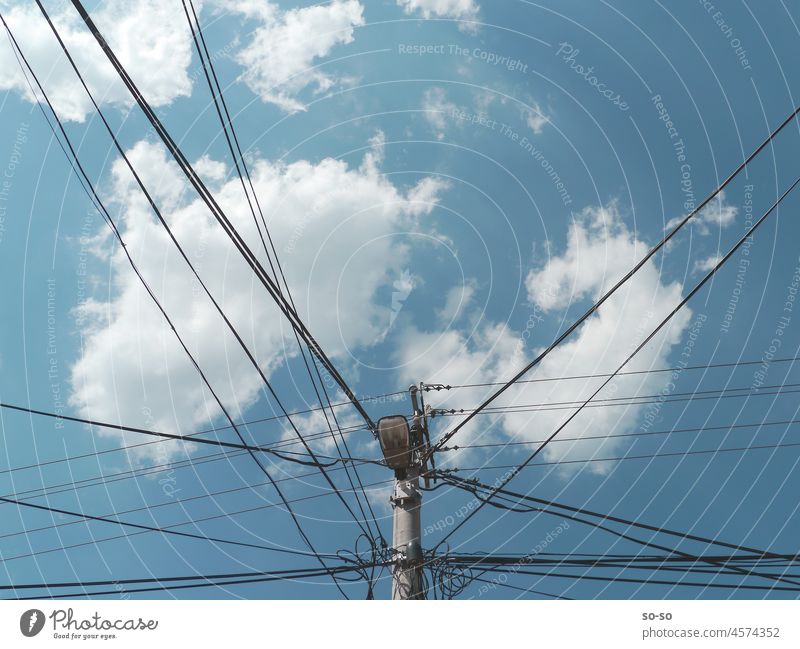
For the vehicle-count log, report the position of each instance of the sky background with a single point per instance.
(448, 184)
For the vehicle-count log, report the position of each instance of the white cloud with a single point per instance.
(150, 38)
(438, 110)
(458, 9)
(282, 59)
(457, 302)
(334, 229)
(425, 194)
(492, 353)
(707, 264)
(718, 214)
(535, 118)
(599, 250)
(530, 110)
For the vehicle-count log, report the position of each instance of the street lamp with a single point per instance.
(398, 447)
(395, 438)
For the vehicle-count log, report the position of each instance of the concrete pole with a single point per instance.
(406, 537)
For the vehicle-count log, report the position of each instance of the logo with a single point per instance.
(402, 288)
(31, 622)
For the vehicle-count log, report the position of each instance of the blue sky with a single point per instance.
(449, 183)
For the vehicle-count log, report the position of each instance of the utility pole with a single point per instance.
(406, 537)
(403, 448)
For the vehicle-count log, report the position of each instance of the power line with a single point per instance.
(108, 478)
(227, 124)
(594, 308)
(150, 528)
(738, 449)
(169, 436)
(436, 387)
(561, 514)
(181, 501)
(618, 561)
(518, 588)
(469, 485)
(215, 584)
(116, 232)
(677, 397)
(347, 430)
(224, 515)
(239, 243)
(641, 345)
(164, 580)
(657, 582)
(701, 429)
(244, 347)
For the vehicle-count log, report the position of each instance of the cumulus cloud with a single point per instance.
(282, 59)
(707, 264)
(492, 353)
(717, 214)
(332, 225)
(535, 118)
(458, 9)
(438, 110)
(150, 38)
(531, 111)
(599, 250)
(458, 300)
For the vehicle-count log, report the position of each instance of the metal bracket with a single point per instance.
(405, 490)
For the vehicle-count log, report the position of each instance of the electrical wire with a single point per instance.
(150, 528)
(181, 501)
(672, 431)
(164, 580)
(678, 397)
(109, 220)
(231, 138)
(170, 436)
(230, 326)
(239, 243)
(347, 430)
(749, 233)
(738, 449)
(437, 387)
(650, 544)
(206, 584)
(224, 515)
(595, 307)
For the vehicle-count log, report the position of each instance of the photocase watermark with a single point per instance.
(342, 192)
(198, 295)
(66, 626)
(31, 622)
(7, 181)
(217, 54)
(467, 508)
(782, 324)
(653, 410)
(743, 265)
(401, 289)
(82, 266)
(535, 317)
(506, 130)
(679, 149)
(726, 29)
(168, 481)
(298, 231)
(489, 57)
(528, 559)
(569, 54)
(53, 375)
